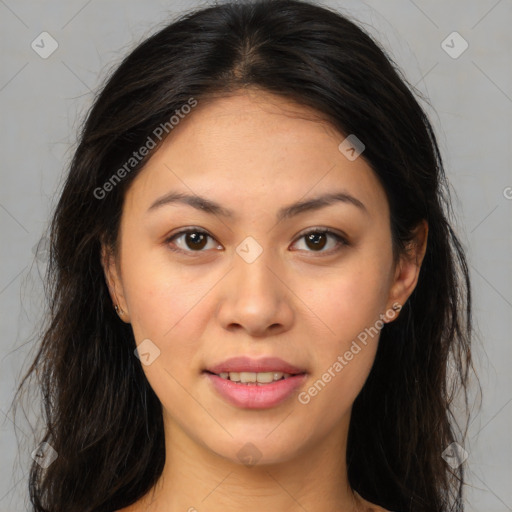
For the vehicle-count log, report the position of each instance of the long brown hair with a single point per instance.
(97, 402)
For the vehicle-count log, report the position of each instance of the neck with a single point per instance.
(196, 478)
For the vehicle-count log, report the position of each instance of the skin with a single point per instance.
(254, 153)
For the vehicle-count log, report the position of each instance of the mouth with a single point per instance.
(257, 378)
(248, 369)
(255, 383)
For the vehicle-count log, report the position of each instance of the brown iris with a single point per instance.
(196, 240)
(318, 240)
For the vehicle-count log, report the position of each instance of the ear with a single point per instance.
(408, 269)
(114, 283)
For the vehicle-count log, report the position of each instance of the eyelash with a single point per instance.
(342, 241)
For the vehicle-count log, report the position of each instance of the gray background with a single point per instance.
(43, 100)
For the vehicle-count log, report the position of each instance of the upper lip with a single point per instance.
(247, 364)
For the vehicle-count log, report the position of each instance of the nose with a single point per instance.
(255, 298)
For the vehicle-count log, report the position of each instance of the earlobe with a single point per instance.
(408, 268)
(112, 278)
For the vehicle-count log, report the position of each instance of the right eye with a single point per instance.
(192, 240)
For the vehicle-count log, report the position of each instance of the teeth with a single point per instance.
(253, 377)
(267, 377)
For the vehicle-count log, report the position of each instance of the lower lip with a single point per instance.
(254, 396)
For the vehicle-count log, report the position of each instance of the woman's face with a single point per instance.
(252, 282)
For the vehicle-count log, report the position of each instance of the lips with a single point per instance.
(246, 364)
(255, 383)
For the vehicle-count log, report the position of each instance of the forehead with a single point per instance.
(254, 149)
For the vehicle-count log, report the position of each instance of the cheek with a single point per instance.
(348, 308)
(154, 291)
(165, 304)
(348, 301)
(343, 355)
(166, 307)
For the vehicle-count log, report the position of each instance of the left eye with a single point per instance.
(195, 240)
(316, 239)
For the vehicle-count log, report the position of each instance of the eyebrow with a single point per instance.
(213, 208)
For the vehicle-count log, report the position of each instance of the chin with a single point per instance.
(257, 448)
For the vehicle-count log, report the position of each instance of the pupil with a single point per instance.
(194, 237)
(313, 237)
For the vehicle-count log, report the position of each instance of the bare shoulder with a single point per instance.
(371, 507)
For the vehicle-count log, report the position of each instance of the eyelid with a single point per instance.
(182, 232)
(341, 238)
